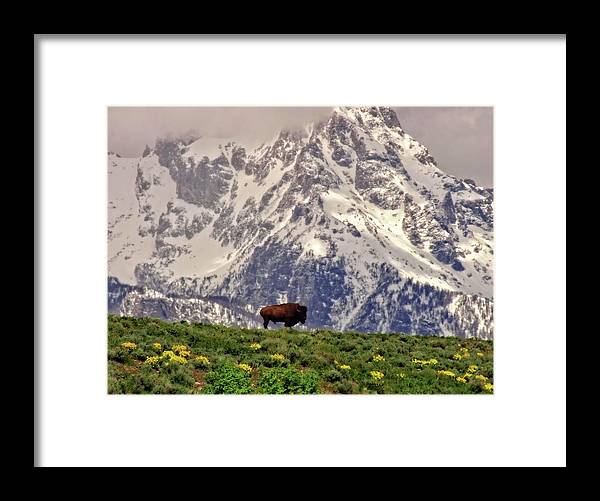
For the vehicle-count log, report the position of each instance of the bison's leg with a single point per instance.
(290, 323)
(266, 322)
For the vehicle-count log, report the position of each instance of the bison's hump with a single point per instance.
(280, 310)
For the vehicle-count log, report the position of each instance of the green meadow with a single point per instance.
(150, 356)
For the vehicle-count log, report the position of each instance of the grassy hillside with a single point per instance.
(147, 355)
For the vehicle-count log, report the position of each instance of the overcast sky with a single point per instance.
(459, 138)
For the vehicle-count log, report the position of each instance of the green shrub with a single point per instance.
(343, 387)
(227, 378)
(179, 375)
(333, 375)
(280, 380)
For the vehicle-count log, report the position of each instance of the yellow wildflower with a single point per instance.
(201, 359)
(377, 375)
(479, 354)
(181, 350)
(345, 367)
(463, 353)
(245, 367)
(156, 346)
(457, 356)
(446, 373)
(461, 379)
(481, 378)
(378, 358)
(402, 375)
(152, 360)
(173, 358)
(431, 361)
(179, 360)
(255, 346)
(488, 387)
(472, 368)
(128, 345)
(278, 357)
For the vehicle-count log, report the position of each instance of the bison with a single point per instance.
(289, 313)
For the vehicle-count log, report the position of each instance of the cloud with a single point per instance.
(460, 138)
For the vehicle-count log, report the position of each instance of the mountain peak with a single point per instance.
(371, 116)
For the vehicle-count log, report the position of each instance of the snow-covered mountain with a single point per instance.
(350, 216)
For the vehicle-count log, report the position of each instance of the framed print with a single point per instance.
(299, 251)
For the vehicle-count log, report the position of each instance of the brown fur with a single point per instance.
(289, 313)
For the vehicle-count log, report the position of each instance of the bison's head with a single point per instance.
(302, 313)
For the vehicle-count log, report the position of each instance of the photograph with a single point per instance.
(300, 250)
